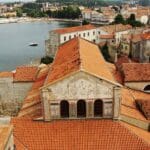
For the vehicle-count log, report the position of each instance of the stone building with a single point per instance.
(14, 86)
(137, 76)
(60, 36)
(79, 103)
(137, 46)
(88, 32)
(92, 89)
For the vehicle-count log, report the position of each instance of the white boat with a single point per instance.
(33, 44)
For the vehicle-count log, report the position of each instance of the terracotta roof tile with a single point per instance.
(25, 73)
(106, 36)
(32, 103)
(76, 135)
(6, 74)
(128, 104)
(74, 29)
(116, 28)
(136, 71)
(78, 54)
(145, 135)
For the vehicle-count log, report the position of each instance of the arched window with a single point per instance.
(81, 108)
(98, 108)
(147, 88)
(64, 109)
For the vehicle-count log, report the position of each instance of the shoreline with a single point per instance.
(28, 19)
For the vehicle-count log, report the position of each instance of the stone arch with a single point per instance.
(98, 108)
(81, 108)
(64, 109)
(147, 88)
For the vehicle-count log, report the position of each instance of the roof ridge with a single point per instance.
(81, 62)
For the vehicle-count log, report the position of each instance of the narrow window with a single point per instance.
(98, 108)
(81, 108)
(64, 109)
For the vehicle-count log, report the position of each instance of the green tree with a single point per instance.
(133, 22)
(19, 12)
(119, 19)
(105, 52)
(85, 22)
(46, 60)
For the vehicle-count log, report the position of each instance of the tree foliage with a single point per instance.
(67, 12)
(46, 60)
(33, 10)
(85, 22)
(105, 52)
(131, 20)
(119, 19)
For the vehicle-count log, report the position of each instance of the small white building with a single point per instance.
(60, 36)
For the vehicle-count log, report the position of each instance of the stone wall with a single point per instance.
(52, 43)
(76, 87)
(12, 95)
(21, 89)
(141, 51)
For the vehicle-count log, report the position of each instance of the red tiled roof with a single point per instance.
(79, 54)
(116, 28)
(136, 71)
(32, 103)
(146, 36)
(128, 104)
(75, 29)
(25, 73)
(6, 74)
(76, 135)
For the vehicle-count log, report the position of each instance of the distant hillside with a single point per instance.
(85, 2)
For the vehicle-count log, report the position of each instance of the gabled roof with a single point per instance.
(128, 103)
(25, 74)
(75, 29)
(136, 72)
(32, 103)
(79, 54)
(76, 135)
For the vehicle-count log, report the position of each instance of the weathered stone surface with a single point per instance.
(81, 86)
(12, 95)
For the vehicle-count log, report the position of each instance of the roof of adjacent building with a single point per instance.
(5, 131)
(32, 102)
(107, 36)
(136, 37)
(76, 134)
(136, 72)
(128, 103)
(75, 55)
(144, 106)
(25, 73)
(75, 29)
(115, 28)
(6, 74)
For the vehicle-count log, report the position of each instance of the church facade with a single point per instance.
(81, 93)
